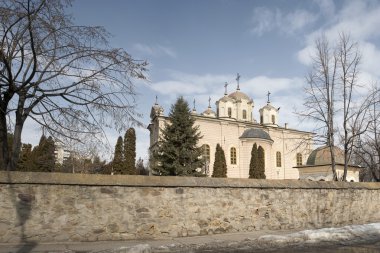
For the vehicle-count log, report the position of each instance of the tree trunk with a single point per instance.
(16, 147)
(4, 152)
(345, 160)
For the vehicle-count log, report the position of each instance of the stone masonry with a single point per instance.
(73, 207)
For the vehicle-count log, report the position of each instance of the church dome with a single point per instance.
(209, 112)
(268, 106)
(322, 155)
(237, 95)
(226, 99)
(256, 133)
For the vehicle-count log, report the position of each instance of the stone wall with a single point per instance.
(74, 207)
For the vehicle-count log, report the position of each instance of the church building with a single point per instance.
(233, 126)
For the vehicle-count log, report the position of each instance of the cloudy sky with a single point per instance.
(194, 47)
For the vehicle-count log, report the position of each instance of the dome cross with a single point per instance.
(237, 79)
(225, 88)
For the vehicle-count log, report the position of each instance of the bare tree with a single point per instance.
(367, 147)
(320, 94)
(348, 56)
(332, 100)
(63, 76)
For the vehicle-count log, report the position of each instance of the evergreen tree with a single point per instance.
(261, 163)
(130, 151)
(43, 155)
(118, 161)
(177, 154)
(220, 166)
(25, 163)
(253, 170)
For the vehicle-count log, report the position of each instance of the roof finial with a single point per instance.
(209, 100)
(268, 97)
(194, 105)
(225, 88)
(156, 100)
(237, 79)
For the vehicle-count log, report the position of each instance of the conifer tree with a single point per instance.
(43, 155)
(261, 163)
(220, 166)
(118, 163)
(25, 161)
(177, 153)
(253, 171)
(130, 151)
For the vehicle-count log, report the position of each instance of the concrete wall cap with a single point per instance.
(155, 181)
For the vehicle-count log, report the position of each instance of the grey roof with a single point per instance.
(322, 155)
(208, 111)
(237, 95)
(226, 99)
(269, 107)
(256, 133)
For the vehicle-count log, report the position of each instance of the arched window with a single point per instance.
(278, 159)
(206, 152)
(273, 119)
(299, 159)
(261, 119)
(229, 112)
(244, 114)
(233, 155)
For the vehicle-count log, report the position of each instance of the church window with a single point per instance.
(206, 152)
(273, 119)
(261, 119)
(233, 155)
(299, 159)
(244, 114)
(229, 112)
(278, 159)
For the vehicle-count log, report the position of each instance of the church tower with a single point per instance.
(269, 114)
(235, 106)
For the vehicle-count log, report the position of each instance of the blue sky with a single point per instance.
(193, 47)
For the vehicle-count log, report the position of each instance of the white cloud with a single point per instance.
(266, 20)
(326, 7)
(263, 20)
(155, 50)
(359, 19)
(201, 87)
(305, 55)
(190, 85)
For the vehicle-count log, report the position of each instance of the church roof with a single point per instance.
(226, 99)
(322, 156)
(256, 133)
(269, 107)
(238, 95)
(208, 111)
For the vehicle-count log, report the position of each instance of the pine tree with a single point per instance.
(118, 163)
(130, 151)
(177, 154)
(25, 161)
(43, 155)
(261, 163)
(220, 166)
(253, 172)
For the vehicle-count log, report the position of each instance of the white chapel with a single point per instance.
(233, 126)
